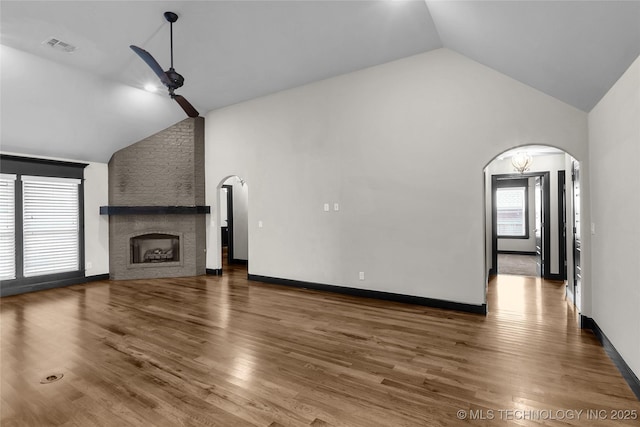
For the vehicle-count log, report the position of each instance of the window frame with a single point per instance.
(514, 183)
(20, 166)
(10, 254)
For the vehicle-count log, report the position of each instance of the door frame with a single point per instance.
(539, 210)
(562, 226)
(229, 189)
(546, 244)
(576, 232)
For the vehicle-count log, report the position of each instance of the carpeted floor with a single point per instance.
(519, 265)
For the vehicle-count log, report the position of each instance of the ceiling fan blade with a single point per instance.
(186, 106)
(152, 63)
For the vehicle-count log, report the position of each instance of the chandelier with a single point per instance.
(521, 162)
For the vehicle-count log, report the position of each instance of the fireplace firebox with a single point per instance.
(154, 248)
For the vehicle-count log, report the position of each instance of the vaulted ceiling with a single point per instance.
(231, 51)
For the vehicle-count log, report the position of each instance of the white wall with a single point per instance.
(49, 109)
(223, 207)
(380, 142)
(96, 226)
(614, 144)
(240, 221)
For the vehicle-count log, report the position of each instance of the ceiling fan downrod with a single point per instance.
(171, 18)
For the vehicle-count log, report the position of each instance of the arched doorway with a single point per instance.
(233, 206)
(531, 207)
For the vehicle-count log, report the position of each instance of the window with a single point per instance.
(41, 224)
(50, 225)
(7, 227)
(511, 204)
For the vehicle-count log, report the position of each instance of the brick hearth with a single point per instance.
(166, 169)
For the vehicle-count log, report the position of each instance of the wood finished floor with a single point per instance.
(227, 352)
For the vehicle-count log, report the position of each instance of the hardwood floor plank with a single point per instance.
(220, 350)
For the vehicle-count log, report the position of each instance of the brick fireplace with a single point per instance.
(156, 205)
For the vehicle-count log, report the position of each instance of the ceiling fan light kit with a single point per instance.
(170, 78)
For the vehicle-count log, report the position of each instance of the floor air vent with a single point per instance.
(51, 378)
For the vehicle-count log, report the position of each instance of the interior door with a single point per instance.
(540, 224)
(577, 242)
(228, 230)
(224, 229)
(562, 222)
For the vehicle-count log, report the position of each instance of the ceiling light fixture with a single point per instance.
(150, 87)
(521, 162)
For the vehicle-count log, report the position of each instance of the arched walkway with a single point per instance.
(530, 200)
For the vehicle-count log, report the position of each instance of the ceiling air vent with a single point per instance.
(60, 45)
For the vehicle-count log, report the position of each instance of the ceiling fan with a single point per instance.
(170, 78)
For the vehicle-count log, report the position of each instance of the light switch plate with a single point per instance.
(336, 207)
(326, 207)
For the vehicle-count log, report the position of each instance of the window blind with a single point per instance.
(50, 227)
(511, 207)
(7, 227)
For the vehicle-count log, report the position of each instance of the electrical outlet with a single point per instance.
(361, 275)
(89, 265)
